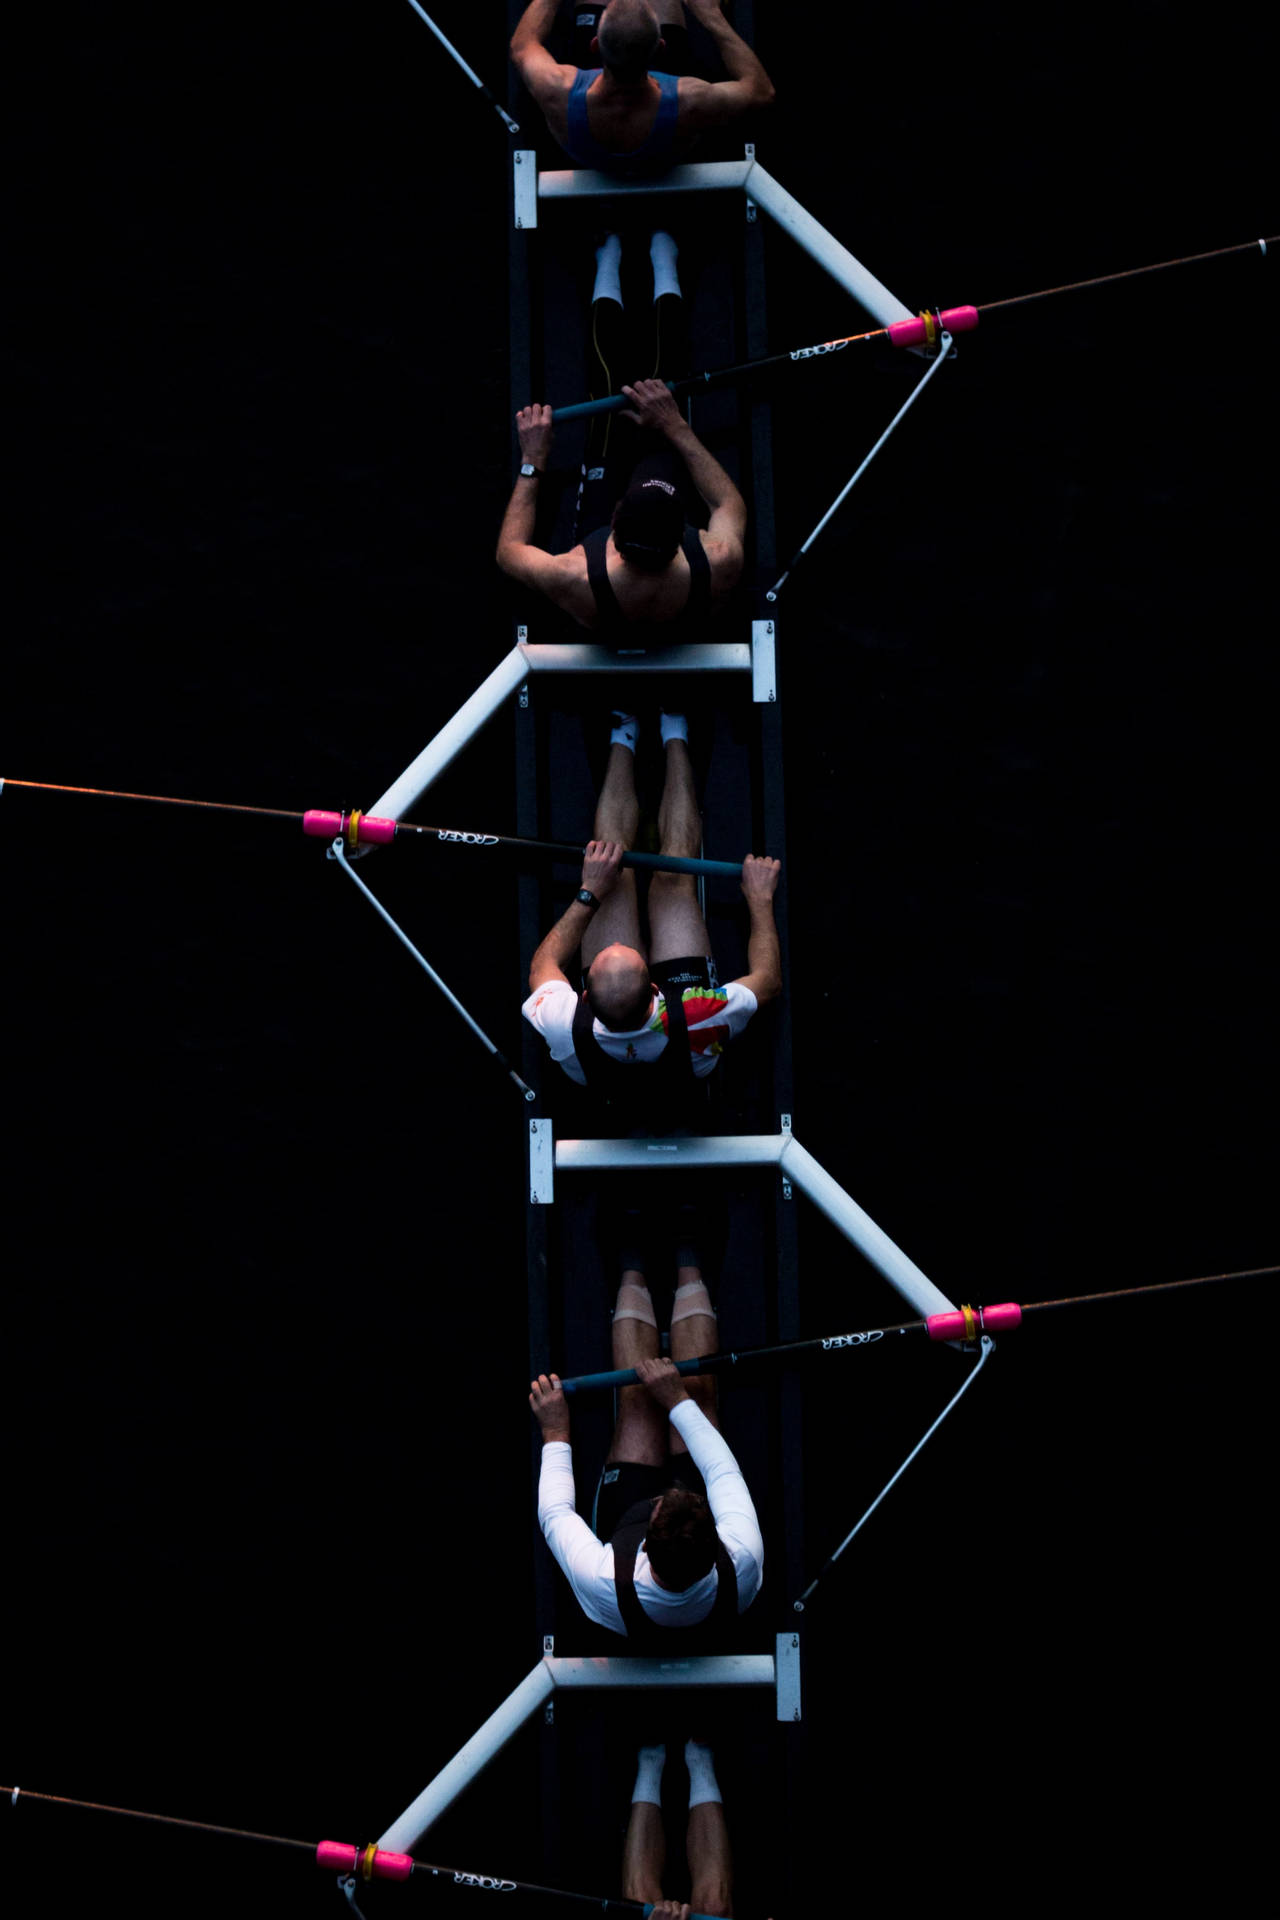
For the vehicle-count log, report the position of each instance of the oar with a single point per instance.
(923, 331)
(369, 1863)
(365, 829)
(968, 1325)
(472, 76)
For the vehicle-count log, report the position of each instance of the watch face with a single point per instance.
(528, 469)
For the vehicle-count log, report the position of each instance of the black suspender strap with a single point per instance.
(626, 1543)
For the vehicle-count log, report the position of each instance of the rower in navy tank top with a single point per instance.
(597, 90)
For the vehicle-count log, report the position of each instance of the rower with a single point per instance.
(648, 565)
(675, 1546)
(628, 102)
(652, 1018)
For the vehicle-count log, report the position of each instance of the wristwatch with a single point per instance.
(585, 898)
(528, 470)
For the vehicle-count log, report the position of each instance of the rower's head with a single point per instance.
(628, 38)
(680, 1538)
(619, 990)
(647, 524)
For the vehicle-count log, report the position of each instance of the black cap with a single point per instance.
(648, 523)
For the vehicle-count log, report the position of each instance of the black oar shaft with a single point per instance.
(565, 850)
(742, 1356)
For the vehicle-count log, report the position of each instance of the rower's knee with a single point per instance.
(711, 1895)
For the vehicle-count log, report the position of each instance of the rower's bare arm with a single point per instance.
(601, 865)
(545, 78)
(517, 554)
(760, 877)
(709, 103)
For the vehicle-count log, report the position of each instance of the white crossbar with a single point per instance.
(725, 1150)
(582, 183)
(730, 656)
(709, 1670)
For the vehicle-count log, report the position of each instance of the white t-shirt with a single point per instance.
(587, 1562)
(712, 1015)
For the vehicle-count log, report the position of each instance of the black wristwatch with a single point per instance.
(585, 898)
(528, 470)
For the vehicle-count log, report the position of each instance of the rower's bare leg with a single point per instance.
(676, 926)
(617, 818)
(710, 1862)
(642, 1429)
(644, 1854)
(694, 1332)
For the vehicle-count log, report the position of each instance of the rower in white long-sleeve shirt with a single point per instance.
(676, 1543)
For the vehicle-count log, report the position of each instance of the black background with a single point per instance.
(264, 1281)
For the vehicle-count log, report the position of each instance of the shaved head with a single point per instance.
(619, 991)
(628, 37)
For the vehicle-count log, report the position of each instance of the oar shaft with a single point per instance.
(647, 862)
(15, 1795)
(154, 799)
(470, 72)
(734, 1357)
(610, 403)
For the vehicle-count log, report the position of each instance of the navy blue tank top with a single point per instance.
(653, 153)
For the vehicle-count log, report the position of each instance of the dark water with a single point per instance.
(265, 1430)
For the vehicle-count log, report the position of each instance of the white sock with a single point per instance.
(662, 252)
(649, 1776)
(626, 731)
(702, 1773)
(674, 727)
(608, 270)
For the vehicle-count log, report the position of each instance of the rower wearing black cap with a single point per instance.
(649, 566)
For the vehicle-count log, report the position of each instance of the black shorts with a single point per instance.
(699, 970)
(624, 1483)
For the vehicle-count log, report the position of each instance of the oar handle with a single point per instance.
(676, 863)
(628, 1377)
(584, 409)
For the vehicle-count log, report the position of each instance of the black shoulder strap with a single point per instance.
(608, 612)
(626, 1543)
(699, 573)
(597, 1067)
(605, 1075)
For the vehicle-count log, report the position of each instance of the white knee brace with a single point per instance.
(690, 1299)
(635, 1303)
